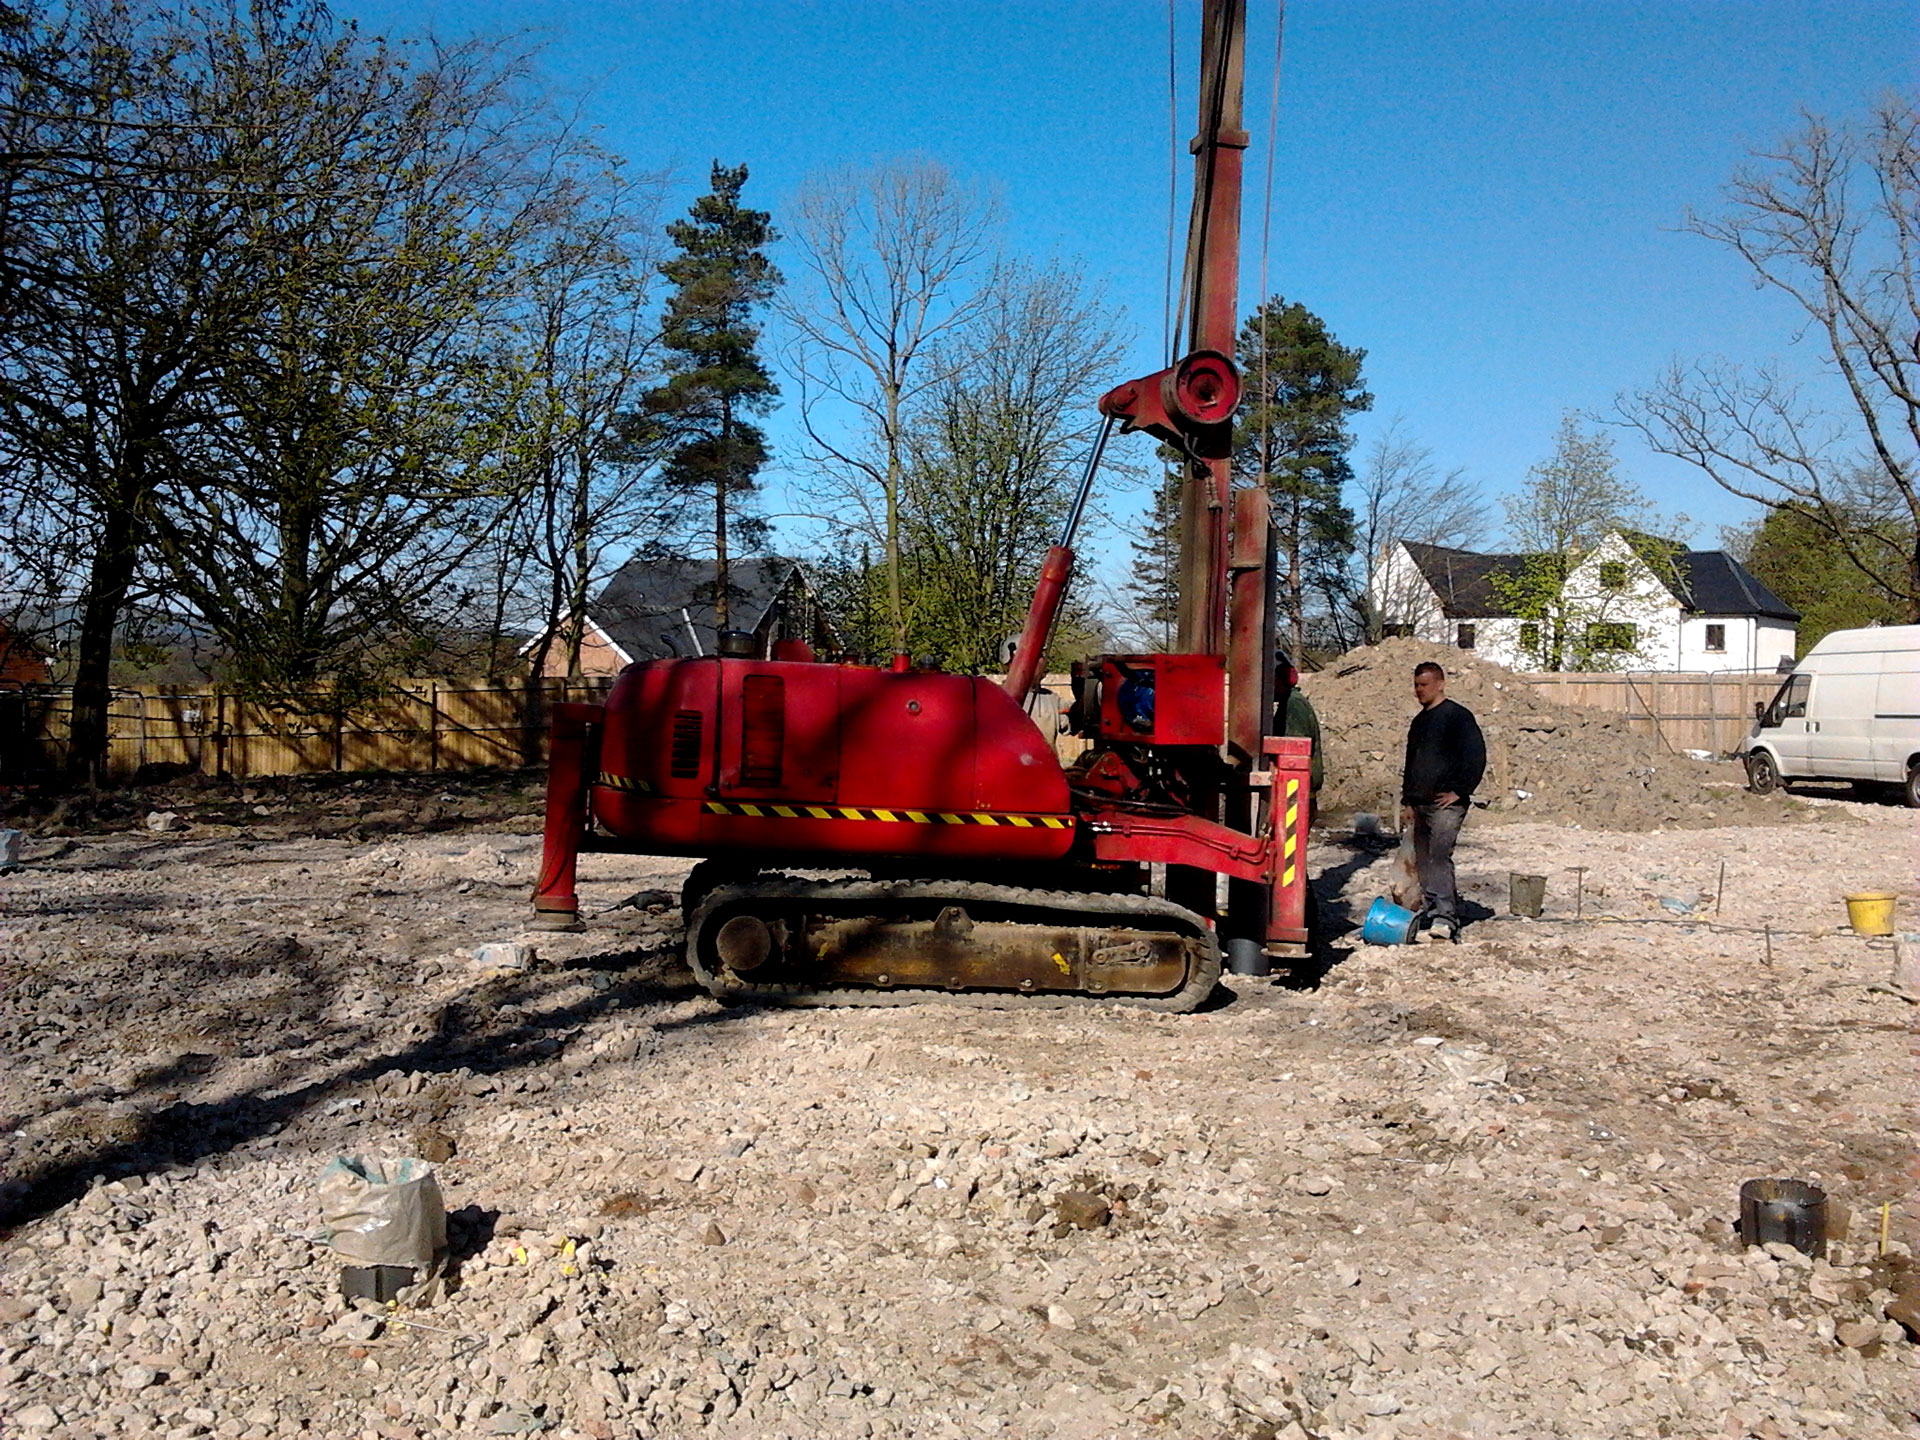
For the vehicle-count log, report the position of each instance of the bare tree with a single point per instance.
(893, 261)
(589, 348)
(993, 450)
(1831, 219)
(1571, 499)
(1400, 494)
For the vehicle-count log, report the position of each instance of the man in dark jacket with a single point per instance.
(1293, 714)
(1446, 756)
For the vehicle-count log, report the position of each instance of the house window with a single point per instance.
(1464, 637)
(1717, 638)
(1611, 635)
(1529, 636)
(1613, 575)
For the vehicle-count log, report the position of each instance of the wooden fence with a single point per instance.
(440, 725)
(425, 725)
(1679, 712)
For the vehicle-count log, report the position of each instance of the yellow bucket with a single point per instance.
(1871, 912)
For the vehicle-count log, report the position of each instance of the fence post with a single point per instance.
(433, 725)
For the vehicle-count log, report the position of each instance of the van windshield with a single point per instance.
(1791, 702)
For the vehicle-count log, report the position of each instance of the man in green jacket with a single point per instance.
(1293, 714)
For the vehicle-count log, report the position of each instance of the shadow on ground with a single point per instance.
(462, 1038)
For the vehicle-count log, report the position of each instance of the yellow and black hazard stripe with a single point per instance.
(1291, 843)
(621, 782)
(767, 810)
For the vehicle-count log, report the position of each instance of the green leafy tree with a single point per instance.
(716, 378)
(122, 288)
(995, 449)
(1573, 498)
(1569, 503)
(1299, 387)
(1793, 554)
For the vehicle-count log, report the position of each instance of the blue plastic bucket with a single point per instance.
(1387, 924)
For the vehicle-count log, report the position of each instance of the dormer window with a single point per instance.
(1613, 575)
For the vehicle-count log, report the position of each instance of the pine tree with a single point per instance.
(1155, 586)
(716, 378)
(1299, 385)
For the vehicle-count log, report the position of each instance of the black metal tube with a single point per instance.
(1086, 482)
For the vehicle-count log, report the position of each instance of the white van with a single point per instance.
(1849, 711)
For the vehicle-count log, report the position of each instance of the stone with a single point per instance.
(1315, 1184)
(1904, 1310)
(161, 821)
(37, 1417)
(713, 1235)
(1083, 1209)
(84, 1291)
(1856, 1334)
(1061, 1318)
(505, 955)
(138, 1377)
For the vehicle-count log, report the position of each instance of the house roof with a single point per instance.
(1705, 582)
(1708, 582)
(641, 607)
(1463, 579)
(1718, 584)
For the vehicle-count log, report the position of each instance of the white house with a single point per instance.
(1634, 603)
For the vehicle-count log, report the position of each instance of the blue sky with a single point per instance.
(1483, 196)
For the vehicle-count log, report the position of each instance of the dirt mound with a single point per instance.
(1566, 764)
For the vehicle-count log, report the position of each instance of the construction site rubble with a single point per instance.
(1569, 764)
(1484, 1190)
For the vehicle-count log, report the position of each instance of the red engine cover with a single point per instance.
(712, 754)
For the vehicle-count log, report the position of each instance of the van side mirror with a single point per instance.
(1759, 709)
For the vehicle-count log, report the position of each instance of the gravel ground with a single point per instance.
(1465, 1191)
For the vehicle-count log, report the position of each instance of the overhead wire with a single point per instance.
(1266, 206)
(1173, 179)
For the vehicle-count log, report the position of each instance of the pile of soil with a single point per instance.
(1568, 764)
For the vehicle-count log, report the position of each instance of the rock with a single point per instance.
(434, 1145)
(161, 821)
(713, 1235)
(1904, 1310)
(138, 1377)
(84, 1291)
(1061, 1318)
(15, 1308)
(356, 1327)
(1379, 1404)
(505, 955)
(1856, 1334)
(1315, 1184)
(37, 1417)
(1083, 1209)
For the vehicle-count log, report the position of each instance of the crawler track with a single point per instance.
(977, 935)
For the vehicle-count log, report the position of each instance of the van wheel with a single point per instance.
(1763, 775)
(1911, 790)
